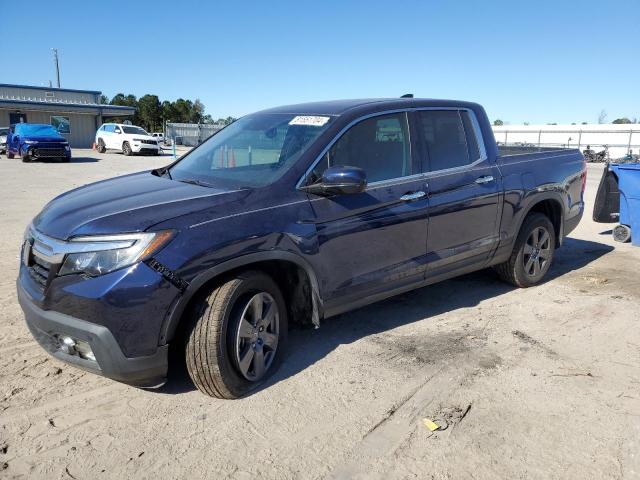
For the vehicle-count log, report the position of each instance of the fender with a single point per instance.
(171, 321)
(533, 201)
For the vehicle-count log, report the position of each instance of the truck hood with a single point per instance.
(48, 139)
(131, 203)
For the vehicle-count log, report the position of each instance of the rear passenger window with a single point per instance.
(447, 144)
(378, 145)
(472, 141)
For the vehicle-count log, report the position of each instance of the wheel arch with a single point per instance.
(286, 268)
(551, 205)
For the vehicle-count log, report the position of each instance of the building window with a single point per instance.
(61, 124)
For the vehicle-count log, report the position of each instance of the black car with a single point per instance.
(289, 215)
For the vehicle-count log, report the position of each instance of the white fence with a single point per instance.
(619, 138)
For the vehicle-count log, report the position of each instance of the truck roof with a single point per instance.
(338, 107)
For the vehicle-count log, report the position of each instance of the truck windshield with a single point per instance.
(27, 129)
(134, 130)
(252, 152)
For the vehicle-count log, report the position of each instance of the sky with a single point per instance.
(536, 61)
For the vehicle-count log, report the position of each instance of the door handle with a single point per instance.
(407, 197)
(485, 179)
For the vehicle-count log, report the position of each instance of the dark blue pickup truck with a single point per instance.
(292, 214)
(34, 141)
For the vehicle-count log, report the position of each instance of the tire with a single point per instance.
(532, 253)
(223, 331)
(622, 233)
(10, 155)
(126, 149)
(101, 146)
(25, 158)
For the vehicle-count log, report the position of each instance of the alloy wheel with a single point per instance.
(537, 252)
(256, 339)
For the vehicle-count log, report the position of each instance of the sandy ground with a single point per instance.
(535, 383)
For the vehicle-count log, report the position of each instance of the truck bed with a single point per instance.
(508, 150)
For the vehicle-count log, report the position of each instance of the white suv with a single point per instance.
(129, 139)
(159, 137)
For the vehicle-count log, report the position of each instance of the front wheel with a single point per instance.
(237, 335)
(532, 253)
(126, 149)
(25, 158)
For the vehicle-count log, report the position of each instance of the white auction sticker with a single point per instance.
(309, 120)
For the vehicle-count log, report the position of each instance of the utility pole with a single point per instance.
(55, 60)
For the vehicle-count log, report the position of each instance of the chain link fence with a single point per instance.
(618, 142)
(190, 134)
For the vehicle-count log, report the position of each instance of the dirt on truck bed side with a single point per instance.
(535, 383)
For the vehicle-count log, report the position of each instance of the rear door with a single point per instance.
(464, 190)
(374, 241)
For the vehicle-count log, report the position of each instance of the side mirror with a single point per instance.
(339, 181)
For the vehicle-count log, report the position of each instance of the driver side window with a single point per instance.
(379, 145)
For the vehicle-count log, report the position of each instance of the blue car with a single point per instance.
(34, 141)
(289, 215)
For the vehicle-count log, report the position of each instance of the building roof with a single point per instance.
(104, 109)
(49, 89)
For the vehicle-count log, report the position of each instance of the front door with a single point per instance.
(375, 241)
(464, 191)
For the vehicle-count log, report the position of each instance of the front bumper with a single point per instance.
(145, 148)
(47, 325)
(37, 152)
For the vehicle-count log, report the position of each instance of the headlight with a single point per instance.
(98, 255)
(30, 142)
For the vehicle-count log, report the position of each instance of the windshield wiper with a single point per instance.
(194, 181)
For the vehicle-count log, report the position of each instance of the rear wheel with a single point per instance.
(126, 149)
(101, 146)
(237, 335)
(532, 253)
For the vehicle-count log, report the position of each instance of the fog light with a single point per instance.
(67, 345)
(72, 346)
(84, 350)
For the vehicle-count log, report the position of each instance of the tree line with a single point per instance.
(151, 113)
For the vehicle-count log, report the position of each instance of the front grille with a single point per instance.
(150, 142)
(38, 268)
(48, 152)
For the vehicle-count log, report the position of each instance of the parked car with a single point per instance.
(3, 139)
(34, 141)
(159, 136)
(289, 215)
(128, 139)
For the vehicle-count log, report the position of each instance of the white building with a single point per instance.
(76, 114)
